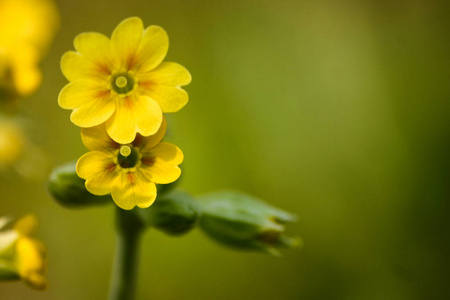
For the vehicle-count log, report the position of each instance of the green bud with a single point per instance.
(69, 190)
(7, 272)
(8, 238)
(241, 221)
(175, 213)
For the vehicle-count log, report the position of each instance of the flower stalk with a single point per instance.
(129, 230)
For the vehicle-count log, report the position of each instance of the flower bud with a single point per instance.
(175, 213)
(241, 221)
(69, 190)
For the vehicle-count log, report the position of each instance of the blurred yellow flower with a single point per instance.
(128, 171)
(12, 143)
(21, 256)
(26, 29)
(122, 81)
(18, 152)
(19, 71)
(30, 21)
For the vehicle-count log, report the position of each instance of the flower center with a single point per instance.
(128, 156)
(122, 83)
(125, 151)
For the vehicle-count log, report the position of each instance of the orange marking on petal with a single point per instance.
(114, 145)
(131, 61)
(128, 102)
(146, 84)
(131, 178)
(111, 167)
(148, 161)
(137, 140)
(102, 68)
(103, 94)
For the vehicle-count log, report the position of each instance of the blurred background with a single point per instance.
(337, 111)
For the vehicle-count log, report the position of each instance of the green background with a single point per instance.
(337, 111)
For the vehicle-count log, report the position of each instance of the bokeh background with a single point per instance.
(337, 111)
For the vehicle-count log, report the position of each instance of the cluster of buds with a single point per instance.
(231, 218)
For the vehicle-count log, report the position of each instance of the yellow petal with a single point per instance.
(36, 281)
(98, 108)
(31, 262)
(134, 114)
(167, 73)
(121, 126)
(93, 113)
(147, 114)
(96, 48)
(148, 142)
(160, 165)
(94, 163)
(80, 92)
(101, 183)
(169, 98)
(75, 66)
(97, 139)
(99, 170)
(131, 189)
(27, 225)
(152, 49)
(125, 41)
(167, 153)
(162, 173)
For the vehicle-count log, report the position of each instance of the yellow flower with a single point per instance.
(122, 81)
(21, 256)
(26, 28)
(128, 171)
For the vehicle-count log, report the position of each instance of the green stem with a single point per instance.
(129, 229)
